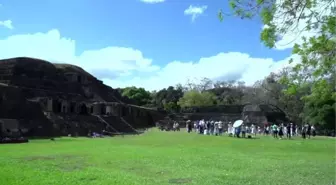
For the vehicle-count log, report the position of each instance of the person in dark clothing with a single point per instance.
(201, 130)
(243, 130)
(308, 130)
(281, 131)
(303, 132)
(208, 125)
(288, 134)
(237, 131)
(212, 127)
(189, 127)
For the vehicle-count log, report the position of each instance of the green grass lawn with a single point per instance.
(160, 158)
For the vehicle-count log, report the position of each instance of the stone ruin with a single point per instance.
(42, 99)
(250, 113)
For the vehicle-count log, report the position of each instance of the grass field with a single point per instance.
(169, 158)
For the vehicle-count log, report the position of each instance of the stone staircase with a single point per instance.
(108, 126)
(118, 124)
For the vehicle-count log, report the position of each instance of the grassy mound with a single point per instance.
(169, 158)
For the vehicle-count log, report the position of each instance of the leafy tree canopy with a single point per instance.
(195, 98)
(316, 68)
(139, 95)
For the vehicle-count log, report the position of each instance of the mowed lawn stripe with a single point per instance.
(169, 158)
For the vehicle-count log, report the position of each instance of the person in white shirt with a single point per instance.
(253, 130)
(285, 130)
(313, 130)
(230, 128)
(220, 127)
(259, 130)
(201, 129)
(233, 131)
(267, 130)
(216, 129)
(291, 130)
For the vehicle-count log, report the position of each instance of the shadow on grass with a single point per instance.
(64, 163)
(252, 138)
(180, 181)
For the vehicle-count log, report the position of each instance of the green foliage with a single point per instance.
(312, 80)
(195, 98)
(171, 107)
(168, 98)
(139, 95)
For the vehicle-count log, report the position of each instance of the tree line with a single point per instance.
(270, 90)
(306, 92)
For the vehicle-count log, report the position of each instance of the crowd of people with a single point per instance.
(276, 130)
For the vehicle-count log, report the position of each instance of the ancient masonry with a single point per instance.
(39, 98)
(251, 114)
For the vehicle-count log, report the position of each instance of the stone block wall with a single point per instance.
(44, 84)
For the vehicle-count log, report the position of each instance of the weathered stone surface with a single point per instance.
(49, 99)
(61, 99)
(251, 114)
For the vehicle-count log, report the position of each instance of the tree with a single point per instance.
(139, 95)
(171, 107)
(195, 98)
(317, 53)
(168, 98)
(273, 93)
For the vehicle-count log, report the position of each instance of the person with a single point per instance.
(267, 128)
(201, 127)
(230, 128)
(308, 130)
(196, 126)
(189, 126)
(253, 130)
(208, 127)
(233, 131)
(259, 130)
(206, 131)
(304, 131)
(212, 127)
(285, 130)
(237, 131)
(275, 130)
(216, 128)
(243, 130)
(281, 130)
(313, 130)
(220, 127)
(288, 133)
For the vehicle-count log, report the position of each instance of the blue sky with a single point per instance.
(131, 42)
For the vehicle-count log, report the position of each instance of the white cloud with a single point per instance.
(120, 67)
(152, 1)
(8, 24)
(195, 11)
(295, 33)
